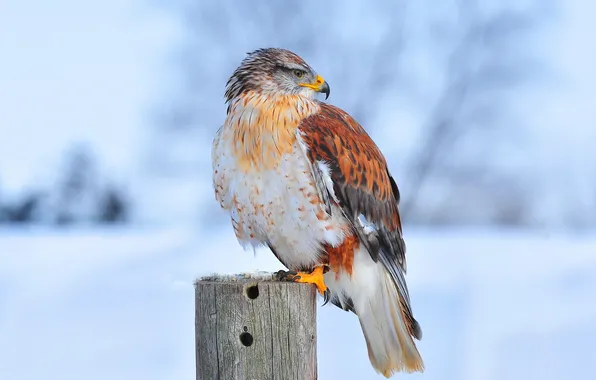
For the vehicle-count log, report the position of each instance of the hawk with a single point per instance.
(303, 178)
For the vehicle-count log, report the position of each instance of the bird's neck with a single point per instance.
(263, 128)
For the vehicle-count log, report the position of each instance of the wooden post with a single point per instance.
(250, 327)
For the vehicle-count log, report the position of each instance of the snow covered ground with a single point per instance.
(118, 304)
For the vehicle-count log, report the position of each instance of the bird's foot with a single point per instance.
(315, 277)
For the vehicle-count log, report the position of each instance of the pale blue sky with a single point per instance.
(76, 71)
(90, 71)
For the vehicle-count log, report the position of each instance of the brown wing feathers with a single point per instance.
(363, 186)
(358, 170)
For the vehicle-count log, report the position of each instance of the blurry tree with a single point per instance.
(21, 210)
(79, 195)
(113, 206)
(76, 189)
(2, 208)
(84, 196)
(475, 58)
(472, 132)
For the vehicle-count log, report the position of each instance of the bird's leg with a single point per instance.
(314, 277)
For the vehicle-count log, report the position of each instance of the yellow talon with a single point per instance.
(315, 277)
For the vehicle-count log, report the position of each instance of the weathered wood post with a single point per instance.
(250, 327)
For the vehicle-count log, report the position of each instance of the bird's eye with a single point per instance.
(299, 73)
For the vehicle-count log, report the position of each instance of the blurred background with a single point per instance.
(485, 111)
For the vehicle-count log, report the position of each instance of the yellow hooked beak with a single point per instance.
(319, 85)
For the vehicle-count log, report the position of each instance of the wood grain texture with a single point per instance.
(244, 336)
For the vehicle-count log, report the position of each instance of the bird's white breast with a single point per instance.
(276, 204)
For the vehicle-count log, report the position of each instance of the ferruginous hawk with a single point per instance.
(305, 179)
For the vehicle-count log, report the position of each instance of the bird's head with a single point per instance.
(277, 72)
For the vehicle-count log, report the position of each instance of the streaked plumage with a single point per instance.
(304, 178)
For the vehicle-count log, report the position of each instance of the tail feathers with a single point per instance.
(388, 329)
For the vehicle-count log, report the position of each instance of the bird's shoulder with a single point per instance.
(337, 139)
(330, 119)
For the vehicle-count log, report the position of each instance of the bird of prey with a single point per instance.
(303, 178)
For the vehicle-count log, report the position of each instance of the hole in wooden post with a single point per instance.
(252, 291)
(246, 339)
